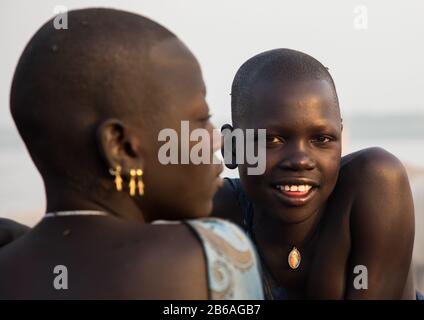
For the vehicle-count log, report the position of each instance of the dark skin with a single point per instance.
(359, 211)
(10, 231)
(120, 256)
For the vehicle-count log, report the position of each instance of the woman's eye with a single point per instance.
(274, 140)
(322, 139)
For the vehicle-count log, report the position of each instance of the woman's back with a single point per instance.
(109, 258)
(105, 258)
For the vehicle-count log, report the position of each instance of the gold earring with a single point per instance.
(140, 182)
(132, 182)
(118, 179)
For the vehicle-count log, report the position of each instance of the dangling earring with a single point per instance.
(118, 179)
(132, 182)
(140, 183)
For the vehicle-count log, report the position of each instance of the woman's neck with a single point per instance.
(62, 196)
(275, 234)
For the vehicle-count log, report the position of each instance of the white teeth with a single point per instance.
(300, 188)
(293, 188)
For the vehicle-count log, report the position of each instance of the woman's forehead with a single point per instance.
(301, 103)
(293, 92)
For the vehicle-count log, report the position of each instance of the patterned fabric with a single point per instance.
(233, 270)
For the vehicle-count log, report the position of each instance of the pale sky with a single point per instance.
(377, 70)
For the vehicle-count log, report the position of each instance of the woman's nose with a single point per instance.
(298, 161)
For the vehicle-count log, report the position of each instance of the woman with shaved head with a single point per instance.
(89, 102)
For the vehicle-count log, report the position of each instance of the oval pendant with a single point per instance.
(294, 258)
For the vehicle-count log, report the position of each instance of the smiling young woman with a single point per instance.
(313, 215)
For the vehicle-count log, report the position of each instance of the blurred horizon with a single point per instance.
(21, 178)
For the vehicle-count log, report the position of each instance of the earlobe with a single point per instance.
(228, 149)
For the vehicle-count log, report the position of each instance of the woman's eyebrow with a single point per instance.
(317, 127)
(324, 126)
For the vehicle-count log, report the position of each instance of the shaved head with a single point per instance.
(105, 65)
(278, 65)
(94, 97)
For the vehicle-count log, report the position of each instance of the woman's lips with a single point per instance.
(295, 194)
(295, 190)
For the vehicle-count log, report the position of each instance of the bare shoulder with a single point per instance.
(169, 263)
(226, 204)
(374, 160)
(374, 176)
(373, 167)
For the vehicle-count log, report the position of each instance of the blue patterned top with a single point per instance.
(233, 269)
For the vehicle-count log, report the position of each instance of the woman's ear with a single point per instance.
(110, 135)
(228, 148)
(341, 124)
(116, 145)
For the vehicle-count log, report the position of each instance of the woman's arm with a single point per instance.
(382, 228)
